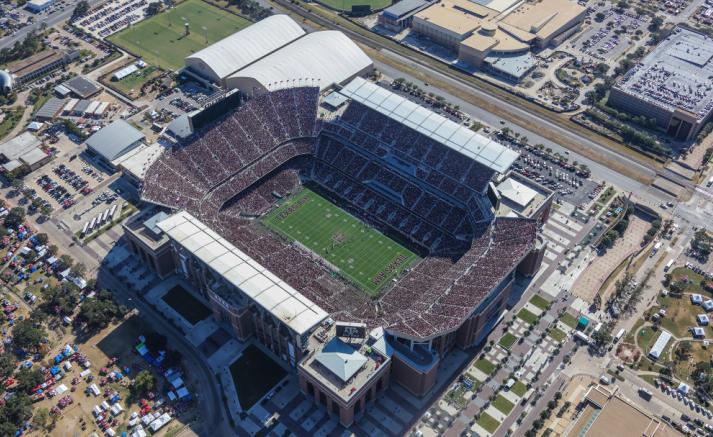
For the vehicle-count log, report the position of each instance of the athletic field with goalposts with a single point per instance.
(363, 255)
(161, 40)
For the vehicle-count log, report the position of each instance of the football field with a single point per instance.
(161, 40)
(362, 254)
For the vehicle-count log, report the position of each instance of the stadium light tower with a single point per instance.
(205, 32)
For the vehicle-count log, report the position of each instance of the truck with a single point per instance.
(710, 182)
(668, 265)
(657, 246)
(645, 394)
(619, 335)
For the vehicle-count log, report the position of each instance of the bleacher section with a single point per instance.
(388, 174)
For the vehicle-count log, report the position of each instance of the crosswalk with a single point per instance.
(559, 233)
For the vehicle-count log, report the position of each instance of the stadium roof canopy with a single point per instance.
(219, 60)
(262, 286)
(483, 150)
(319, 58)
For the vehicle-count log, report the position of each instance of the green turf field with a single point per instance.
(160, 40)
(346, 5)
(364, 255)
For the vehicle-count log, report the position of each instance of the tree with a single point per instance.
(656, 23)
(52, 249)
(42, 238)
(602, 68)
(144, 381)
(600, 16)
(14, 413)
(98, 312)
(15, 217)
(7, 365)
(40, 418)
(153, 8)
(28, 379)
(79, 269)
(17, 183)
(66, 261)
(26, 336)
(81, 9)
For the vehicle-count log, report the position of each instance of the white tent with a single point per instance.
(61, 389)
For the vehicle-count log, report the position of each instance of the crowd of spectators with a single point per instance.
(231, 145)
(387, 174)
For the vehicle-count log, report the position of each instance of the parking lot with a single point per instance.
(611, 38)
(112, 17)
(185, 98)
(565, 180)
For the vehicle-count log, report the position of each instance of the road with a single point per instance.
(49, 20)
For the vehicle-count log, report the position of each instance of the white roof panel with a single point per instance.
(265, 288)
(319, 58)
(246, 46)
(489, 153)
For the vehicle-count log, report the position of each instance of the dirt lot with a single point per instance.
(114, 341)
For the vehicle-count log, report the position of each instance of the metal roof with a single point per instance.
(259, 284)
(51, 108)
(341, 359)
(320, 58)
(404, 7)
(82, 86)
(459, 138)
(18, 146)
(114, 140)
(242, 48)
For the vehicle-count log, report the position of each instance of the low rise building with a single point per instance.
(40, 64)
(399, 16)
(671, 85)
(605, 413)
(498, 36)
(113, 141)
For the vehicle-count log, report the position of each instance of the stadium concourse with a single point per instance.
(416, 176)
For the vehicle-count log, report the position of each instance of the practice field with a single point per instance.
(346, 5)
(361, 253)
(160, 40)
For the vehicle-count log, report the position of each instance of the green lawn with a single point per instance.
(346, 5)
(503, 404)
(455, 396)
(485, 366)
(12, 117)
(488, 423)
(557, 335)
(540, 302)
(186, 305)
(507, 340)
(569, 320)
(519, 388)
(685, 369)
(361, 253)
(680, 314)
(160, 40)
(131, 86)
(693, 280)
(527, 316)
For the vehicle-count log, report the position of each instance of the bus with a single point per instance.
(619, 335)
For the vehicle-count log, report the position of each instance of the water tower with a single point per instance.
(187, 28)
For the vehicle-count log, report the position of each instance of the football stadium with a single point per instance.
(359, 244)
